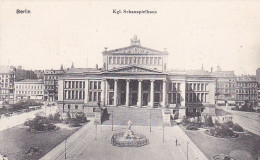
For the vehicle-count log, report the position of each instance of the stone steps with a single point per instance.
(138, 116)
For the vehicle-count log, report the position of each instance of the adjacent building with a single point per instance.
(29, 89)
(135, 76)
(225, 87)
(7, 78)
(246, 90)
(51, 84)
(258, 76)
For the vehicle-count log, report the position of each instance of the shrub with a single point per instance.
(209, 122)
(229, 124)
(74, 123)
(40, 123)
(217, 123)
(57, 118)
(236, 127)
(222, 131)
(192, 126)
(80, 117)
(185, 121)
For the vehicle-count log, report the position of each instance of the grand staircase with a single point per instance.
(138, 116)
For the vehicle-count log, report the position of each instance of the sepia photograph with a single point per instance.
(129, 80)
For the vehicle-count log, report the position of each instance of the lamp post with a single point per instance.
(112, 120)
(187, 150)
(163, 132)
(65, 148)
(95, 131)
(150, 121)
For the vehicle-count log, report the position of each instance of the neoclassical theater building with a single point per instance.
(135, 76)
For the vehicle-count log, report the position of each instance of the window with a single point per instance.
(95, 85)
(90, 96)
(178, 86)
(91, 85)
(110, 60)
(122, 60)
(99, 84)
(160, 60)
(139, 60)
(143, 60)
(155, 61)
(198, 87)
(76, 106)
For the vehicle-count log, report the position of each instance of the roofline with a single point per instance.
(159, 52)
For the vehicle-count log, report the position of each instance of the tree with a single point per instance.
(209, 122)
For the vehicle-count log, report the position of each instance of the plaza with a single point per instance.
(83, 145)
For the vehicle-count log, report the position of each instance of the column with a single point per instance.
(127, 93)
(86, 91)
(152, 94)
(139, 102)
(183, 93)
(164, 94)
(103, 92)
(115, 92)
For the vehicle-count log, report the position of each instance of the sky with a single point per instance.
(225, 33)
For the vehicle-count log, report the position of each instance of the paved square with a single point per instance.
(82, 145)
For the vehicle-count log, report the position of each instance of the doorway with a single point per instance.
(122, 98)
(134, 98)
(157, 99)
(111, 98)
(145, 98)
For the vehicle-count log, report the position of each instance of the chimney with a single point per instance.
(96, 66)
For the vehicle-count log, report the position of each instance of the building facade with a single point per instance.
(246, 90)
(51, 84)
(29, 89)
(225, 87)
(7, 78)
(135, 76)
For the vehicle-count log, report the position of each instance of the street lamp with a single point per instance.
(65, 148)
(96, 132)
(163, 132)
(112, 120)
(150, 121)
(187, 150)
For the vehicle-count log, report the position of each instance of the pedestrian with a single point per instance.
(176, 142)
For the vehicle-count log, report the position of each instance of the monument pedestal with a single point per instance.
(166, 117)
(182, 112)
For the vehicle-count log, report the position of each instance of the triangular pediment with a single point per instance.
(134, 69)
(134, 49)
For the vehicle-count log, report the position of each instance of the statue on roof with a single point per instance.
(61, 67)
(135, 41)
(72, 65)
